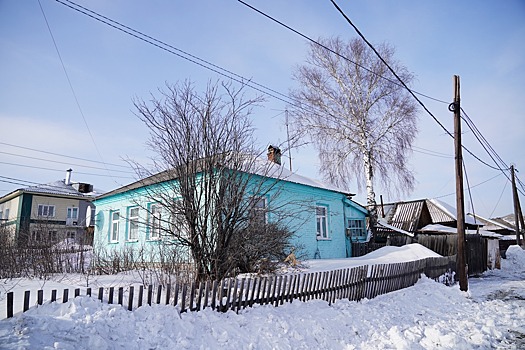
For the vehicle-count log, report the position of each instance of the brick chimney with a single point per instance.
(274, 154)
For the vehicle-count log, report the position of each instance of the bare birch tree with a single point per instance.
(210, 190)
(361, 124)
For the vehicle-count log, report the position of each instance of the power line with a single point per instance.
(61, 171)
(401, 82)
(180, 53)
(332, 51)
(405, 86)
(63, 155)
(483, 141)
(70, 84)
(431, 153)
(499, 199)
(59, 162)
(469, 187)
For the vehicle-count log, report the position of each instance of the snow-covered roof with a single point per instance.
(450, 230)
(274, 170)
(55, 188)
(451, 211)
(381, 222)
(256, 166)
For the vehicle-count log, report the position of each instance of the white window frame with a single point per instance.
(357, 228)
(114, 227)
(178, 222)
(321, 220)
(6, 214)
(258, 212)
(36, 236)
(71, 211)
(53, 235)
(46, 211)
(133, 224)
(155, 221)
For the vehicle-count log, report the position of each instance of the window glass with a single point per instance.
(133, 224)
(115, 217)
(322, 223)
(155, 221)
(258, 210)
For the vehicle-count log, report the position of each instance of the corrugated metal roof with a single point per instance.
(437, 214)
(406, 215)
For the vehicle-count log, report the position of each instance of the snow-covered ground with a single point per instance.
(428, 315)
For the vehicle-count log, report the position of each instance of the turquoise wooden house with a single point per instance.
(324, 218)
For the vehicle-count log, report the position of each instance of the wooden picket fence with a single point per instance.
(234, 294)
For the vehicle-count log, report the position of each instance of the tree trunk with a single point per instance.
(370, 194)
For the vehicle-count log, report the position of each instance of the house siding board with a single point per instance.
(297, 198)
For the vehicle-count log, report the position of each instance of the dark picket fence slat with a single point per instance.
(232, 294)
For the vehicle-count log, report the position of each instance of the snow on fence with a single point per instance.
(354, 283)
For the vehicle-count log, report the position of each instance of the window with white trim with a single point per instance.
(6, 214)
(115, 218)
(72, 213)
(36, 236)
(322, 222)
(178, 220)
(356, 228)
(155, 219)
(53, 235)
(133, 220)
(46, 211)
(258, 210)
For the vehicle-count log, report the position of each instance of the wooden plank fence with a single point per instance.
(235, 294)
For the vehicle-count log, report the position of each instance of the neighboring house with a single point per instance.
(45, 214)
(406, 219)
(504, 227)
(324, 217)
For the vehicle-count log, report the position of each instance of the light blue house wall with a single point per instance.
(297, 200)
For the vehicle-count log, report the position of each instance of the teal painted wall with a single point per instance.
(297, 210)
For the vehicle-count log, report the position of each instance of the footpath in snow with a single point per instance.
(429, 315)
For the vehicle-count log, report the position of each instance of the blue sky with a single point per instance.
(483, 42)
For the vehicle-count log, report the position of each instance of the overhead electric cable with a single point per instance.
(175, 51)
(332, 51)
(63, 155)
(71, 85)
(469, 191)
(476, 185)
(404, 85)
(56, 170)
(499, 199)
(483, 142)
(67, 163)
(431, 153)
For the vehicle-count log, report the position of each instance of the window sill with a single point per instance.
(153, 239)
(132, 241)
(113, 242)
(324, 238)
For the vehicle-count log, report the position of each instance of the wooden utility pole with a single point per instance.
(517, 208)
(461, 262)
